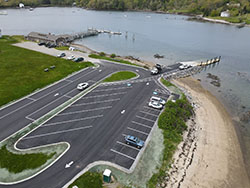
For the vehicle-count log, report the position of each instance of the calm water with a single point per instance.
(169, 35)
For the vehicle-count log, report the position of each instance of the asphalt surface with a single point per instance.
(94, 126)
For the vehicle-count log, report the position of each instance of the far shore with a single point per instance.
(191, 15)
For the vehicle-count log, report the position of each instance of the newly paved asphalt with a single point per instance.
(94, 126)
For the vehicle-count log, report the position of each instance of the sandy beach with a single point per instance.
(215, 158)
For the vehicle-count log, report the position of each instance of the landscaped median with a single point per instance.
(22, 70)
(120, 76)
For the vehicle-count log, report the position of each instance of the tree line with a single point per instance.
(204, 7)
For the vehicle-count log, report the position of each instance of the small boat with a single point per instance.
(31, 9)
(241, 25)
(117, 33)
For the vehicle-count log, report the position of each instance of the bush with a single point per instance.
(102, 54)
(112, 55)
(172, 122)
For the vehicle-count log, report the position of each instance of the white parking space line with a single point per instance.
(110, 89)
(145, 119)
(104, 95)
(30, 119)
(151, 109)
(149, 113)
(77, 112)
(141, 124)
(57, 132)
(137, 131)
(30, 98)
(122, 154)
(69, 121)
(97, 102)
(16, 110)
(127, 145)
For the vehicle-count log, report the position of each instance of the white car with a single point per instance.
(182, 67)
(82, 86)
(71, 57)
(158, 99)
(154, 71)
(155, 104)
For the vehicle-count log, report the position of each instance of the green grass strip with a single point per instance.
(172, 122)
(88, 180)
(119, 76)
(16, 163)
(62, 48)
(95, 56)
(22, 70)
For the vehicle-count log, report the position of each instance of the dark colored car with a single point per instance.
(134, 141)
(158, 66)
(78, 59)
(41, 43)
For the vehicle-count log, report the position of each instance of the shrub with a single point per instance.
(102, 54)
(112, 55)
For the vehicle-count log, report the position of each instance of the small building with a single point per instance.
(225, 14)
(107, 176)
(21, 5)
(51, 38)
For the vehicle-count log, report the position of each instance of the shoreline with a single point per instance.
(213, 153)
(192, 17)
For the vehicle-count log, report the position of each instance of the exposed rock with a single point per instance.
(245, 117)
(158, 56)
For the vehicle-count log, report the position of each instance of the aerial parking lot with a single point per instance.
(98, 122)
(94, 125)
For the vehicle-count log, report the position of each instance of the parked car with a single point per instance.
(71, 57)
(61, 55)
(78, 59)
(51, 46)
(183, 67)
(134, 141)
(158, 66)
(41, 43)
(82, 86)
(154, 71)
(155, 104)
(158, 99)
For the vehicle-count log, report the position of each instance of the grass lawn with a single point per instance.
(22, 70)
(88, 180)
(112, 59)
(15, 162)
(62, 48)
(123, 75)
